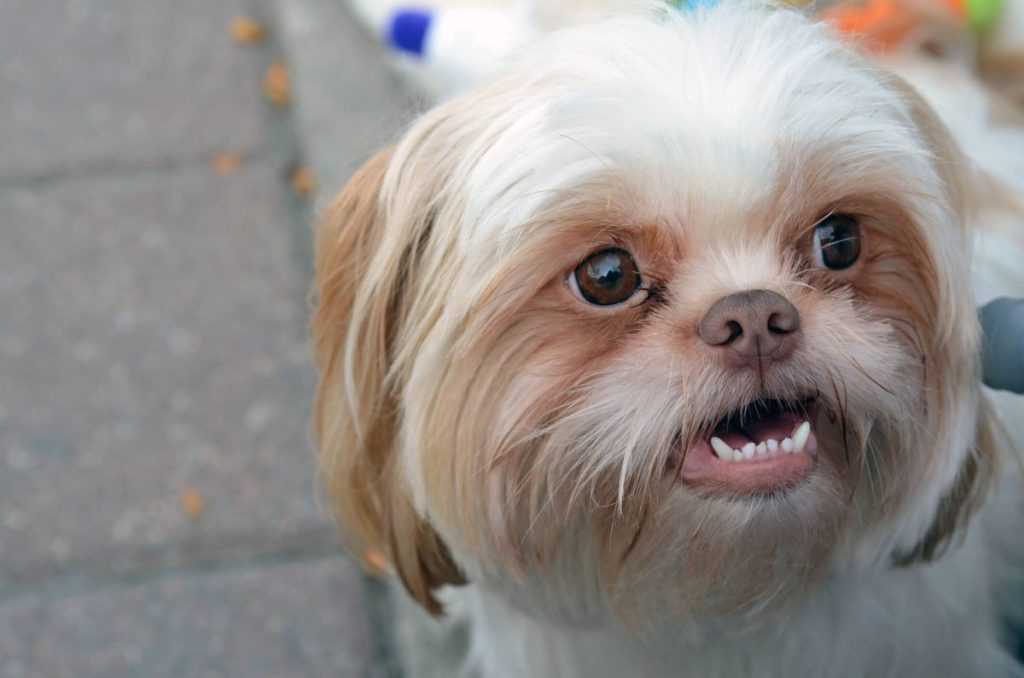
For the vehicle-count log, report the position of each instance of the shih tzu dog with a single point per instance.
(657, 355)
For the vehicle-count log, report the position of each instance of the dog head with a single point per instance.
(674, 316)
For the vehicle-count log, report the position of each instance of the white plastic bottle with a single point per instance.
(453, 48)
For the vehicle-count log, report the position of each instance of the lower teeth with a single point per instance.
(788, 445)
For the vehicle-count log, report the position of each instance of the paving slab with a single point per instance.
(153, 364)
(158, 513)
(291, 620)
(123, 83)
(348, 102)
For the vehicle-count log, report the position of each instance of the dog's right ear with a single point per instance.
(363, 261)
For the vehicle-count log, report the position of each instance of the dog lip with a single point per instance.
(701, 468)
(764, 473)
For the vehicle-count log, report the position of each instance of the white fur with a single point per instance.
(691, 113)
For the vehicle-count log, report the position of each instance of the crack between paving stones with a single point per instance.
(90, 575)
(128, 170)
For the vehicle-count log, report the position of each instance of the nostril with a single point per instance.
(735, 331)
(783, 323)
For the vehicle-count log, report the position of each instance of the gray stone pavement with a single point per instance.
(120, 84)
(157, 507)
(260, 620)
(349, 102)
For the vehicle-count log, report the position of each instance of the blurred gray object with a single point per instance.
(1002, 321)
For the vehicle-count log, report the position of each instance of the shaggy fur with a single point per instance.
(480, 424)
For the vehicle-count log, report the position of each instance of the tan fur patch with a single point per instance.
(354, 412)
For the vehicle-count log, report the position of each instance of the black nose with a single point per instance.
(753, 328)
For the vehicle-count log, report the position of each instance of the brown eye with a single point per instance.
(836, 242)
(607, 278)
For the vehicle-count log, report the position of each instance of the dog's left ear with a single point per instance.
(962, 184)
(366, 252)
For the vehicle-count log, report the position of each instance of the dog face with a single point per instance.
(673, 317)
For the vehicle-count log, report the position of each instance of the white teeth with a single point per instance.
(794, 445)
(723, 451)
(801, 436)
(748, 450)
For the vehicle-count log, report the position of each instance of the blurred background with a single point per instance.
(159, 165)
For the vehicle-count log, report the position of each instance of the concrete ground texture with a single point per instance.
(158, 512)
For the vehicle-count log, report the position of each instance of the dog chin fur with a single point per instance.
(510, 448)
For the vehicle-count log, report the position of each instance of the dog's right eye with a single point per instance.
(606, 278)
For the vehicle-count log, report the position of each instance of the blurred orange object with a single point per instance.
(375, 564)
(226, 163)
(192, 502)
(246, 31)
(303, 182)
(887, 24)
(277, 84)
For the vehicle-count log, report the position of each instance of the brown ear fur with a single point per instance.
(359, 287)
(980, 466)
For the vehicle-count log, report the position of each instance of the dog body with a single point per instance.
(658, 355)
(928, 621)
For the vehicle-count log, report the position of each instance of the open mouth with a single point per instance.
(760, 447)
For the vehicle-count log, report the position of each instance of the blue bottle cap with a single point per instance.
(407, 31)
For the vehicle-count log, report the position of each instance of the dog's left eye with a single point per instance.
(606, 278)
(837, 242)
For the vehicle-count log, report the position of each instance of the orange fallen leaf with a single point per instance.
(277, 85)
(226, 163)
(303, 182)
(375, 563)
(246, 31)
(192, 502)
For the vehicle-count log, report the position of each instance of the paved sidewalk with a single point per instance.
(157, 506)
